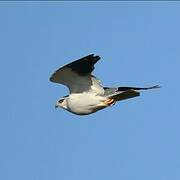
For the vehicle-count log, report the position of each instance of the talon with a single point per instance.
(109, 102)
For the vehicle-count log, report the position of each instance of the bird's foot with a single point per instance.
(109, 102)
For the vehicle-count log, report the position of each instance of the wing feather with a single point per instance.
(77, 75)
(124, 95)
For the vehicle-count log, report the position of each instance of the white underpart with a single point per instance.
(86, 92)
(84, 103)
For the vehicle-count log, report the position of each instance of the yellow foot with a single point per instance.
(109, 102)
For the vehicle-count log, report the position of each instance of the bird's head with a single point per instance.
(61, 103)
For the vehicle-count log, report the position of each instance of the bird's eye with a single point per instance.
(61, 100)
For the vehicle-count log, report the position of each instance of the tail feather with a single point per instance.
(125, 95)
(129, 92)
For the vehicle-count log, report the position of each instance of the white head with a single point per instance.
(61, 103)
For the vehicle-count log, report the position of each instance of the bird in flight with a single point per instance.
(87, 94)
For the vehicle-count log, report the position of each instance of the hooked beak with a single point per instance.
(56, 106)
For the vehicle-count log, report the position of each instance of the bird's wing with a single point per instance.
(110, 90)
(122, 93)
(77, 75)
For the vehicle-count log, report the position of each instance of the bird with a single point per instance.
(87, 95)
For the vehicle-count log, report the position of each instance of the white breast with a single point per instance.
(85, 103)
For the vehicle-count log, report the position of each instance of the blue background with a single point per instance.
(139, 45)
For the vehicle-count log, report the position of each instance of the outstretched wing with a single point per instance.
(77, 75)
(122, 93)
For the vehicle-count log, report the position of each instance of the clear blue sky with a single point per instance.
(138, 139)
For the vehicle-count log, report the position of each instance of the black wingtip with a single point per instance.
(85, 65)
(138, 88)
(154, 87)
(96, 57)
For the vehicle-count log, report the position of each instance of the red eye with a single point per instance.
(61, 100)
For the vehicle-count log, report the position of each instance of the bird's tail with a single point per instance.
(129, 92)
